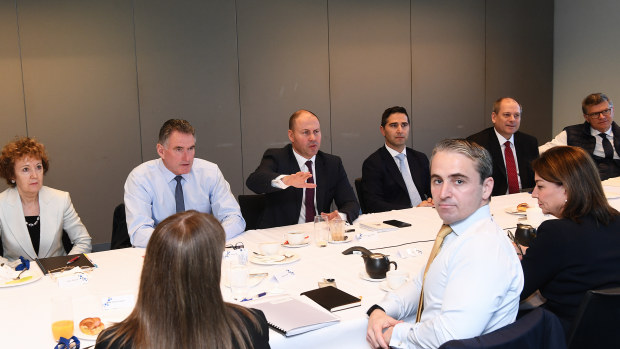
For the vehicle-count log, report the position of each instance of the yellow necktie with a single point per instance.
(443, 232)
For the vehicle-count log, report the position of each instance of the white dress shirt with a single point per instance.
(562, 139)
(472, 287)
(149, 198)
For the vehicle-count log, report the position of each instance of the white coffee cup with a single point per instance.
(295, 237)
(396, 278)
(270, 248)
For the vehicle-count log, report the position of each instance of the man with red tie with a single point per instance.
(300, 180)
(512, 151)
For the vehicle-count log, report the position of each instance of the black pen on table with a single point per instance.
(73, 259)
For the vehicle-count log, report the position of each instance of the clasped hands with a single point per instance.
(298, 180)
(380, 327)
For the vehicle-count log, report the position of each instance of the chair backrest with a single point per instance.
(120, 235)
(596, 323)
(538, 329)
(360, 194)
(66, 242)
(251, 209)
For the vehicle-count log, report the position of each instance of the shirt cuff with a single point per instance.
(277, 182)
(399, 335)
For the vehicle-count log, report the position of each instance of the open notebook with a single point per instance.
(291, 316)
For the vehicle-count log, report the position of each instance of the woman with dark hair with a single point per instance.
(580, 251)
(32, 216)
(180, 303)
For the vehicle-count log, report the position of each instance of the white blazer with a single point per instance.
(56, 212)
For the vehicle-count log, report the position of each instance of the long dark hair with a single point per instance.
(180, 303)
(574, 169)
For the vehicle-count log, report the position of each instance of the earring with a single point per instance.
(12, 181)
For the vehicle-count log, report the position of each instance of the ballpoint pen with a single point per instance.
(262, 294)
(73, 259)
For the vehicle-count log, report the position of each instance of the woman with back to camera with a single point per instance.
(580, 251)
(33, 216)
(180, 303)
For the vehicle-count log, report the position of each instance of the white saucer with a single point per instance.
(513, 210)
(303, 244)
(367, 277)
(274, 260)
(348, 238)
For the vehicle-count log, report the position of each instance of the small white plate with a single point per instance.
(28, 277)
(348, 238)
(513, 210)
(367, 277)
(303, 244)
(274, 260)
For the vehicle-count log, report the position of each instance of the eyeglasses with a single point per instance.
(597, 114)
(237, 246)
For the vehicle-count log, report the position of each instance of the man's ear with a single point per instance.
(290, 135)
(487, 188)
(160, 150)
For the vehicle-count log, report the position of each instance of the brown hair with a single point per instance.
(291, 120)
(594, 99)
(17, 149)
(171, 125)
(573, 168)
(180, 303)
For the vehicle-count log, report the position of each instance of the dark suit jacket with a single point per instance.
(526, 147)
(567, 259)
(383, 184)
(283, 205)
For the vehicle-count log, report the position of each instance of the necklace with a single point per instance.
(35, 222)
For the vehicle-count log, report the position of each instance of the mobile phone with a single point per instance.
(397, 223)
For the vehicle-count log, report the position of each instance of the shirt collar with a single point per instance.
(595, 132)
(503, 140)
(394, 153)
(168, 175)
(301, 161)
(460, 227)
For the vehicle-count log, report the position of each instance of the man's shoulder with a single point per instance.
(524, 138)
(417, 154)
(145, 168)
(577, 127)
(482, 136)
(376, 155)
(328, 157)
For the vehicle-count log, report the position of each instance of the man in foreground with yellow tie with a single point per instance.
(473, 278)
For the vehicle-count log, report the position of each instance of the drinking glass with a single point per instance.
(239, 278)
(336, 230)
(321, 231)
(62, 317)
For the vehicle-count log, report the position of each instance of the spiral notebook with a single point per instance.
(291, 316)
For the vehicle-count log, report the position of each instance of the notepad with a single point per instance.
(333, 299)
(378, 227)
(291, 316)
(59, 263)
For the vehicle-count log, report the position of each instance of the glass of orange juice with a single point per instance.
(62, 317)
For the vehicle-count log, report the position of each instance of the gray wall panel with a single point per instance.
(448, 70)
(12, 113)
(80, 87)
(370, 70)
(283, 66)
(519, 60)
(187, 68)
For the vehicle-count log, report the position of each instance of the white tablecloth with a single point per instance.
(25, 320)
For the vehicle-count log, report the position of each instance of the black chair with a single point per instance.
(360, 194)
(120, 235)
(538, 329)
(596, 323)
(251, 209)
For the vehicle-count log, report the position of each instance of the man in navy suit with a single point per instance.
(395, 176)
(300, 180)
(523, 148)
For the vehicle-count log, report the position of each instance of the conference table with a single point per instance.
(111, 288)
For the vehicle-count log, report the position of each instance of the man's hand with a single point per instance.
(298, 180)
(377, 322)
(331, 215)
(521, 250)
(427, 203)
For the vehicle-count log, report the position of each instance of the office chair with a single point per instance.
(360, 194)
(120, 235)
(538, 329)
(596, 323)
(251, 209)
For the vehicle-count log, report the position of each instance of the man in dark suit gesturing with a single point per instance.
(512, 151)
(300, 180)
(395, 176)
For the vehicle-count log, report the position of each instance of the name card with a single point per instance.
(72, 280)
(283, 275)
(118, 302)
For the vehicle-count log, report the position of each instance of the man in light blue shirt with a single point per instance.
(472, 286)
(177, 182)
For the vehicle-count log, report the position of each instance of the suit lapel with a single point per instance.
(293, 167)
(14, 214)
(392, 169)
(496, 153)
(49, 220)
